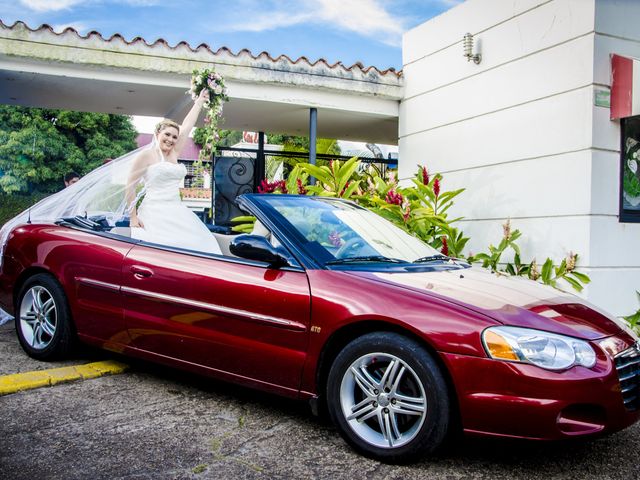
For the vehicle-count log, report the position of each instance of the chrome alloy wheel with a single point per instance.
(383, 400)
(38, 317)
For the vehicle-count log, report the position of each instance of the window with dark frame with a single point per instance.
(630, 170)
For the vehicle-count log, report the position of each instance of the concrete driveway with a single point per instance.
(157, 423)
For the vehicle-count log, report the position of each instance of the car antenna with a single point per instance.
(29, 215)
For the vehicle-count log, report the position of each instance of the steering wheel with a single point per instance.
(349, 245)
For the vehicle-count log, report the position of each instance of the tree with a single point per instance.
(39, 146)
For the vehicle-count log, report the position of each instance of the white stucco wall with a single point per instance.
(520, 131)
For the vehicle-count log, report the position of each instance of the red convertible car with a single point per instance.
(330, 303)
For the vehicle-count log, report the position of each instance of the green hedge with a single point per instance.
(11, 205)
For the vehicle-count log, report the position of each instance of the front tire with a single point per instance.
(388, 398)
(43, 322)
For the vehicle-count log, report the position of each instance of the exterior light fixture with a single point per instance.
(467, 43)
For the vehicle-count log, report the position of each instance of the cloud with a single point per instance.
(141, 3)
(55, 5)
(50, 5)
(364, 17)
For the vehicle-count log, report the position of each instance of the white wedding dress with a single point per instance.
(165, 219)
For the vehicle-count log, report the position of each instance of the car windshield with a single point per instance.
(335, 231)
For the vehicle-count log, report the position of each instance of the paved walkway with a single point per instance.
(156, 423)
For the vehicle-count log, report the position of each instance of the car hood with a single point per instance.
(509, 300)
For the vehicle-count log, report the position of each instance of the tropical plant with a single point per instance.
(634, 318)
(338, 179)
(549, 274)
(420, 209)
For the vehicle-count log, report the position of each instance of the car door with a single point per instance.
(238, 318)
(90, 266)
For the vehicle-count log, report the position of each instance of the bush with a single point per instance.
(12, 205)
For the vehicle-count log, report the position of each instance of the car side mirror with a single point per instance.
(257, 247)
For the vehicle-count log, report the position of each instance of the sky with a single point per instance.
(350, 31)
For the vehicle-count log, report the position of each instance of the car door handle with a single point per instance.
(141, 272)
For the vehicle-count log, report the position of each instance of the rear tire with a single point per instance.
(43, 319)
(388, 398)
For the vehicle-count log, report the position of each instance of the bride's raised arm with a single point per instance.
(138, 168)
(190, 120)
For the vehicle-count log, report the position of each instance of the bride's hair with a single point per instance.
(165, 123)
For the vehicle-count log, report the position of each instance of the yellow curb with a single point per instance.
(45, 378)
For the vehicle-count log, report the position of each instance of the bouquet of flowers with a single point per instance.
(214, 83)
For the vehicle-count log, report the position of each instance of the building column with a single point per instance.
(313, 127)
(260, 167)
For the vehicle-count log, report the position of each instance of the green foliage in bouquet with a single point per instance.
(209, 79)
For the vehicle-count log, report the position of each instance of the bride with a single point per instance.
(161, 217)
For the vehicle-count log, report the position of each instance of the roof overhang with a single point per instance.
(43, 68)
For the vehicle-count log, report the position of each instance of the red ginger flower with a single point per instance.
(436, 187)
(264, 187)
(406, 214)
(425, 176)
(301, 188)
(344, 189)
(270, 187)
(394, 198)
(445, 246)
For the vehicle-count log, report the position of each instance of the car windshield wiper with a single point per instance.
(432, 258)
(366, 258)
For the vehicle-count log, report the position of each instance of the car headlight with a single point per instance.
(544, 349)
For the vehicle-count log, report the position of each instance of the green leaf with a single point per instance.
(546, 271)
(344, 173)
(562, 268)
(243, 219)
(574, 283)
(584, 278)
(244, 228)
(321, 173)
(353, 186)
